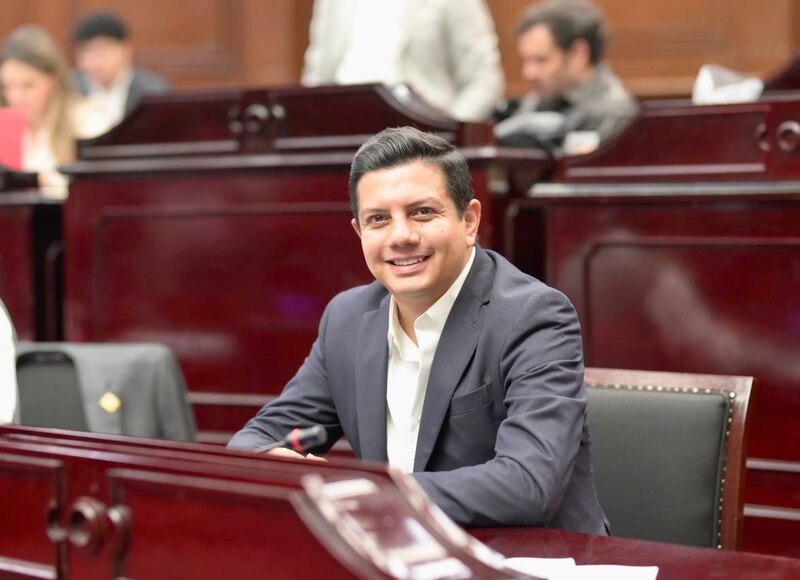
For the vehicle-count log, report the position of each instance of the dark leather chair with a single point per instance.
(669, 454)
(122, 388)
(49, 391)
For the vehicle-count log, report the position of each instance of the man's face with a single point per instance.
(414, 242)
(551, 70)
(102, 59)
(27, 88)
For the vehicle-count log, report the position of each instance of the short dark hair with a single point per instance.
(568, 21)
(398, 146)
(100, 25)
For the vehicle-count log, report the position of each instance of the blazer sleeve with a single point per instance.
(541, 366)
(477, 71)
(305, 401)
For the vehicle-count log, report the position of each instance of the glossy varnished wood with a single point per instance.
(30, 262)
(674, 562)
(186, 510)
(695, 277)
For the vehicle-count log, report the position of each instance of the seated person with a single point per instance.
(106, 75)
(453, 365)
(561, 44)
(34, 77)
(8, 369)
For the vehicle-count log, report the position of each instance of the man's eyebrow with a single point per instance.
(428, 200)
(365, 210)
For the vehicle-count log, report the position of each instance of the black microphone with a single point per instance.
(299, 440)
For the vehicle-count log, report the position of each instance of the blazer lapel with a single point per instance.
(456, 347)
(372, 359)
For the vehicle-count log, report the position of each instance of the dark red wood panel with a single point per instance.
(31, 489)
(771, 486)
(772, 536)
(241, 283)
(690, 287)
(16, 267)
(223, 532)
(690, 278)
(30, 264)
(679, 142)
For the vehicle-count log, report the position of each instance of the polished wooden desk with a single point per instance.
(87, 505)
(674, 562)
(672, 142)
(218, 223)
(30, 263)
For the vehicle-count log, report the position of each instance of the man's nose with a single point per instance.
(403, 232)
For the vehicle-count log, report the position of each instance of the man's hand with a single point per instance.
(283, 452)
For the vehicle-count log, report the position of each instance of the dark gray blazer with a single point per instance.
(503, 438)
(145, 377)
(143, 83)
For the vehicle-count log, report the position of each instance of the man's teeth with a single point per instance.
(407, 262)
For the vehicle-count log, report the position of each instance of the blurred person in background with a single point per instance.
(34, 77)
(562, 46)
(104, 59)
(446, 50)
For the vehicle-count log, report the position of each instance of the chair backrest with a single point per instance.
(49, 391)
(123, 388)
(669, 454)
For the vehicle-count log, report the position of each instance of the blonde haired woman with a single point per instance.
(34, 77)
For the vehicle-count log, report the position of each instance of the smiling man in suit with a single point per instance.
(453, 365)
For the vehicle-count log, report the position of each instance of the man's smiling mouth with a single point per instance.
(407, 262)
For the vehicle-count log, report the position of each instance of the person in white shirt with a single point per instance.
(453, 365)
(445, 50)
(34, 77)
(9, 411)
(104, 58)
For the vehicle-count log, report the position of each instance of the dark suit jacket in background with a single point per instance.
(503, 438)
(145, 377)
(143, 83)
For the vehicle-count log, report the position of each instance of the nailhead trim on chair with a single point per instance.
(695, 391)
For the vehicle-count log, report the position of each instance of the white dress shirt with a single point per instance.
(408, 372)
(8, 373)
(111, 101)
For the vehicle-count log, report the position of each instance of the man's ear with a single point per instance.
(581, 53)
(127, 47)
(472, 219)
(354, 223)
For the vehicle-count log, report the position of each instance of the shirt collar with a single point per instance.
(121, 83)
(436, 315)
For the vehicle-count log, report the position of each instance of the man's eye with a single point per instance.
(424, 211)
(375, 219)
